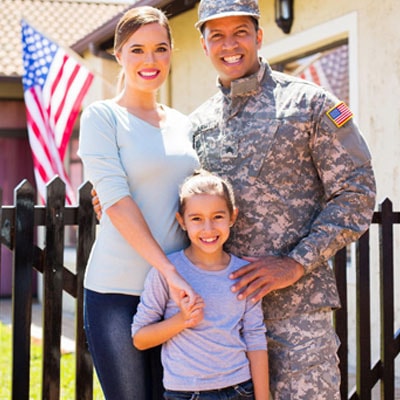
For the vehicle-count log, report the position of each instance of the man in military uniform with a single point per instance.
(305, 188)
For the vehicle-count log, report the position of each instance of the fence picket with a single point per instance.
(363, 318)
(22, 289)
(387, 300)
(52, 289)
(86, 236)
(340, 318)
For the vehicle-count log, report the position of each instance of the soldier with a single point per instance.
(305, 188)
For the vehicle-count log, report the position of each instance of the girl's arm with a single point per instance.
(129, 221)
(257, 352)
(159, 332)
(259, 373)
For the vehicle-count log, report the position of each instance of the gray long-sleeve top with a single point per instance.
(211, 355)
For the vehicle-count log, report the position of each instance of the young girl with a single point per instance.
(215, 348)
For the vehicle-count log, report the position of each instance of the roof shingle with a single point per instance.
(63, 21)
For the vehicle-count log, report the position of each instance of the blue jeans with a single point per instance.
(241, 391)
(124, 372)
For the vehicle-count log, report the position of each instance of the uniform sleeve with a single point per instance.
(343, 163)
(253, 327)
(98, 149)
(153, 301)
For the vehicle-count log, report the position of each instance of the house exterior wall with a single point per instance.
(11, 175)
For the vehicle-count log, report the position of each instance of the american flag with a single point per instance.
(54, 87)
(340, 114)
(329, 69)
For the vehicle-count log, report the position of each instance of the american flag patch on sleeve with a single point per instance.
(340, 114)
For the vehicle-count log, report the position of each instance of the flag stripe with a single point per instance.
(340, 114)
(78, 90)
(328, 69)
(36, 123)
(54, 87)
(63, 111)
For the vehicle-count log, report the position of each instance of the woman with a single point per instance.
(136, 152)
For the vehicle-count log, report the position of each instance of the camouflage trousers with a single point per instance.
(303, 357)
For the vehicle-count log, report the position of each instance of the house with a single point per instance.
(65, 22)
(367, 29)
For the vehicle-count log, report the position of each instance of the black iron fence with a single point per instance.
(18, 233)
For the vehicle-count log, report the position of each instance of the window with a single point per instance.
(327, 67)
(299, 47)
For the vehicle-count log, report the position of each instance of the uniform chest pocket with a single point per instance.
(206, 142)
(254, 144)
(237, 150)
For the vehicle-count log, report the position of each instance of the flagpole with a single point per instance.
(301, 68)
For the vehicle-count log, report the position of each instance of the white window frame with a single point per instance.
(344, 27)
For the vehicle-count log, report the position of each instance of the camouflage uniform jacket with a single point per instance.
(305, 188)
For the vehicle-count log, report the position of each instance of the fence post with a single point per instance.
(363, 318)
(86, 236)
(22, 289)
(52, 289)
(387, 300)
(340, 318)
(1, 224)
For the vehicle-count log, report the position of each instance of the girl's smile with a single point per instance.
(207, 221)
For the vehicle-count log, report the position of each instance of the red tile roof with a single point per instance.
(64, 21)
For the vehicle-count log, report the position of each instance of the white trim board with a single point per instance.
(344, 27)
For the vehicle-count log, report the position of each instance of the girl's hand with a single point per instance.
(191, 314)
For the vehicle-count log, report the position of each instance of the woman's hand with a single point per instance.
(96, 204)
(179, 288)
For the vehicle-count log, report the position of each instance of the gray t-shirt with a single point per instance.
(211, 355)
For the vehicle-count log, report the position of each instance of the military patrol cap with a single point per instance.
(214, 9)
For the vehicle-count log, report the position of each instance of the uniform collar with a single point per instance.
(247, 86)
